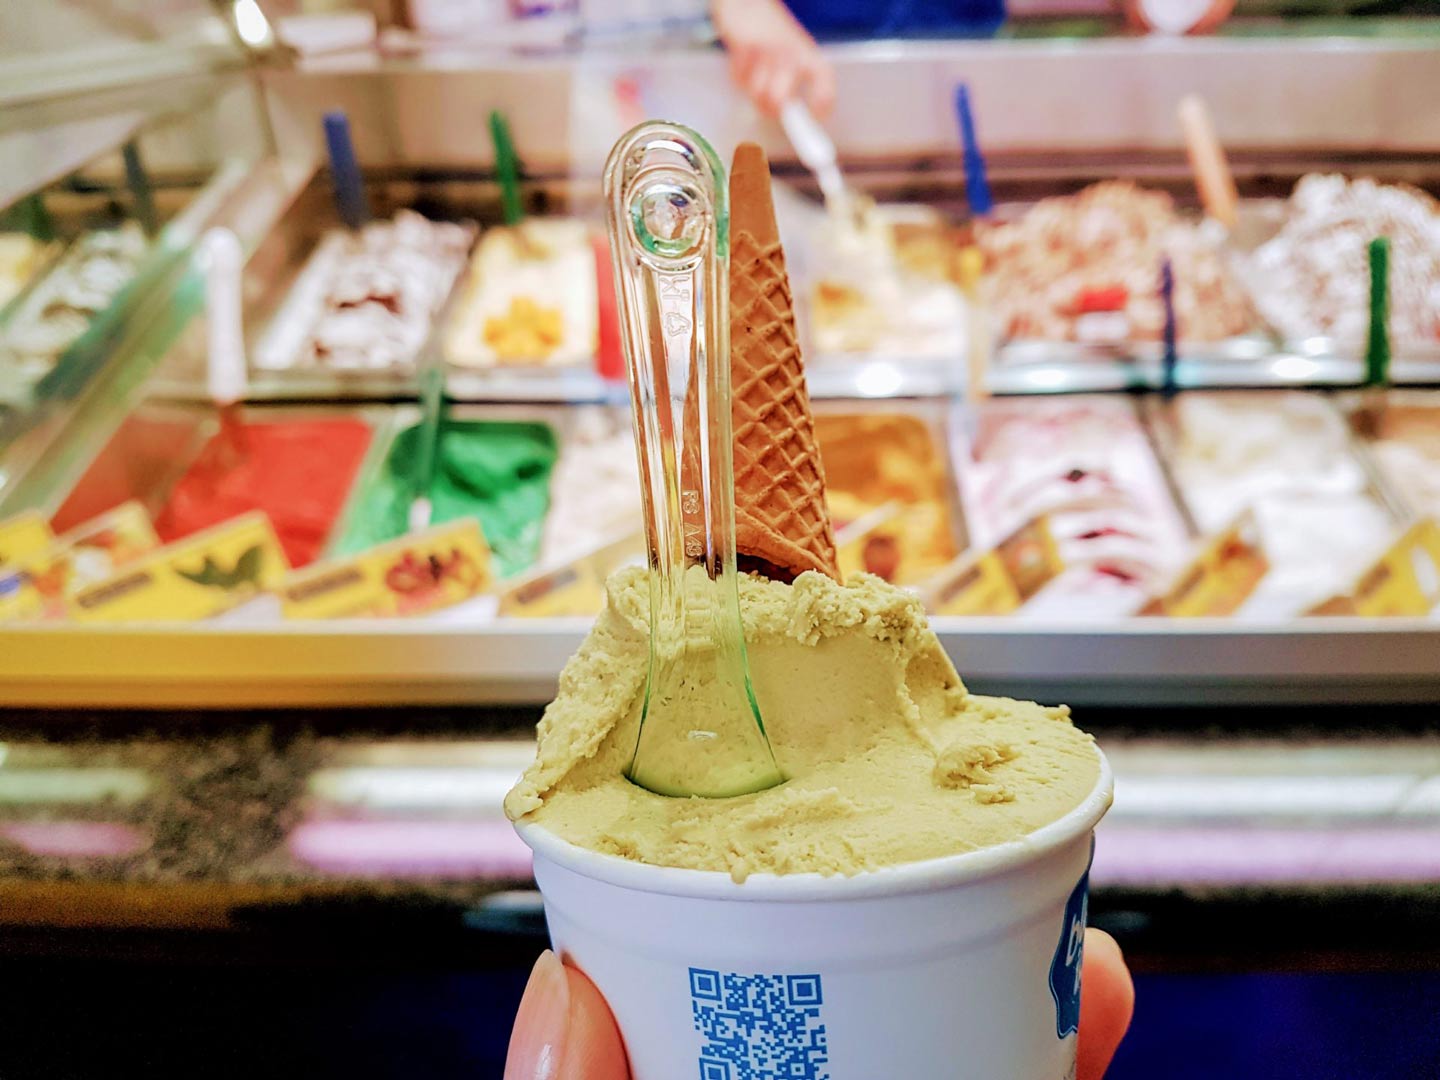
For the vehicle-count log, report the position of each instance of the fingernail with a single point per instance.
(537, 1045)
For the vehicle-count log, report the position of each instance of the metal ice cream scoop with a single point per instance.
(668, 208)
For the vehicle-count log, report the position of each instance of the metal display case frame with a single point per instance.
(399, 108)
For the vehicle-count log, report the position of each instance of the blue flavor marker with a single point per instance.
(977, 180)
(350, 197)
(1171, 359)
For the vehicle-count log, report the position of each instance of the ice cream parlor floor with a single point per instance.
(323, 894)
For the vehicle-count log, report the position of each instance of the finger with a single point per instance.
(820, 91)
(564, 1030)
(1219, 11)
(542, 1025)
(1107, 1001)
(780, 80)
(743, 59)
(596, 1049)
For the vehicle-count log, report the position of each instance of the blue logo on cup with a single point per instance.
(1065, 967)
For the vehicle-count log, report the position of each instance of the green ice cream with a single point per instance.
(494, 470)
(889, 758)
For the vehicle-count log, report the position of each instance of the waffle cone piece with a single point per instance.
(782, 524)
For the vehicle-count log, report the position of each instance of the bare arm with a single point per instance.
(772, 57)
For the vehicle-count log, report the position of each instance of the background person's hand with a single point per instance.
(1177, 16)
(564, 1030)
(772, 57)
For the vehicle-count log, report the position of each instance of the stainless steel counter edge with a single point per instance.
(1055, 96)
(1208, 662)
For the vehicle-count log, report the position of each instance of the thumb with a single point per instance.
(1107, 1001)
(564, 1030)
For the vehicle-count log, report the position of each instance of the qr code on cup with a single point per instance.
(759, 1027)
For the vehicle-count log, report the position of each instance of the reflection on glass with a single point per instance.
(411, 849)
(251, 25)
(72, 786)
(76, 839)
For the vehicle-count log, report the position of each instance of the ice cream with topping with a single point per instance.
(1086, 466)
(366, 300)
(1312, 277)
(531, 299)
(81, 285)
(1087, 267)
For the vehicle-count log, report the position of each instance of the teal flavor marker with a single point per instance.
(1377, 345)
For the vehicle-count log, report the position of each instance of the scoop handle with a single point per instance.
(815, 148)
(669, 218)
(223, 263)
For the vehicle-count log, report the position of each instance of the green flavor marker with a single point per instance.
(495, 470)
(1368, 415)
(507, 168)
(30, 215)
(1377, 347)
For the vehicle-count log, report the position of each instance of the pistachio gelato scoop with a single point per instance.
(889, 758)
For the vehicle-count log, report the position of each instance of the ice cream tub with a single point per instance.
(493, 464)
(1291, 460)
(1076, 279)
(1085, 464)
(1305, 263)
(191, 471)
(365, 303)
(883, 286)
(530, 299)
(890, 489)
(967, 964)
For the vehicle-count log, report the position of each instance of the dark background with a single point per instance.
(196, 1005)
(1321, 983)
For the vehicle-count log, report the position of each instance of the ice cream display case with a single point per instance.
(121, 140)
(359, 315)
(414, 483)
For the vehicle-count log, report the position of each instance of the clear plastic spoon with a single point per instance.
(701, 733)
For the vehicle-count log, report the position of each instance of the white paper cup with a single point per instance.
(964, 966)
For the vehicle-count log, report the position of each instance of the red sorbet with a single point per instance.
(298, 472)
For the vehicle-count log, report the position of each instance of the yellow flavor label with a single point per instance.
(576, 587)
(434, 569)
(111, 540)
(36, 587)
(1403, 581)
(1220, 578)
(871, 543)
(190, 579)
(1031, 557)
(974, 586)
(22, 535)
(904, 543)
(998, 581)
(101, 546)
(39, 585)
